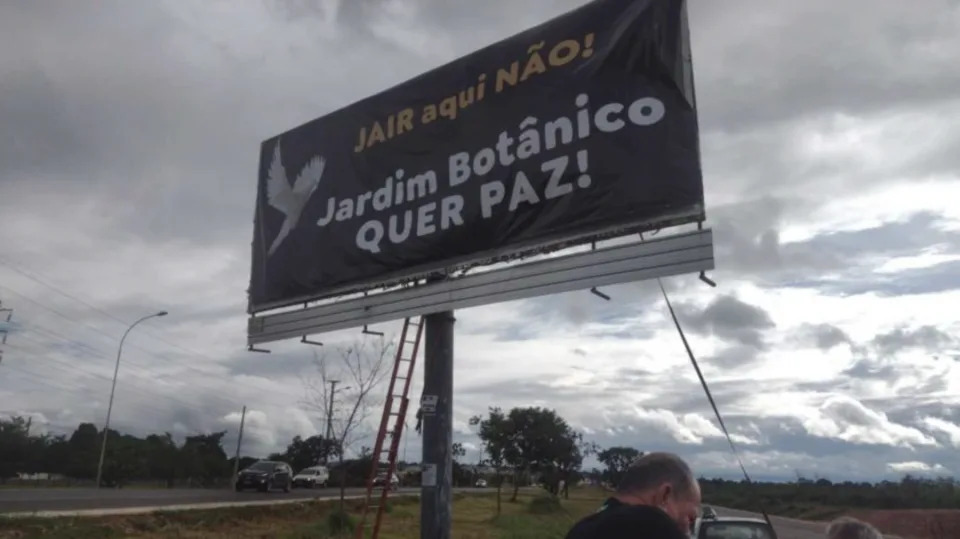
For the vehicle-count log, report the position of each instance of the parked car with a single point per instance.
(481, 483)
(265, 475)
(312, 477)
(711, 526)
(381, 480)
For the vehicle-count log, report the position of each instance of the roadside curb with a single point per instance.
(141, 510)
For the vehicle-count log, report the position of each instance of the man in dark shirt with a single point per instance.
(658, 498)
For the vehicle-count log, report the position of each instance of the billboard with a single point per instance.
(581, 126)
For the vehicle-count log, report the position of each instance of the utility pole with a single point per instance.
(437, 405)
(236, 461)
(3, 326)
(333, 391)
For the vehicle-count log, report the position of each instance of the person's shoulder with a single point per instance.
(627, 522)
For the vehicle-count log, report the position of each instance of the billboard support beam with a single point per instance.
(661, 257)
(305, 340)
(371, 332)
(599, 294)
(436, 491)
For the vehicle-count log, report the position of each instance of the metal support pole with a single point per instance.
(436, 490)
(236, 460)
(333, 391)
(113, 389)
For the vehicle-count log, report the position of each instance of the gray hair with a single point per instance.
(851, 528)
(654, 469)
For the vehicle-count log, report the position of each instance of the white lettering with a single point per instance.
(522, 191)
(603, 121)
(367, 243)
(491, 194)
(325, 220)
(450, 208)
(556, 168)
(425, 219)
(397, 236)
(483, 162)
(459, 168)
(646, 111)
(504, 143)
(422, 185)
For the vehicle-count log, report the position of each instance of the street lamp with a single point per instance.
(116, 369)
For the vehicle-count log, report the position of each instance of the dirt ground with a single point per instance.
(913, 523)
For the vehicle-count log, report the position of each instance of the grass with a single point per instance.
(533, 516)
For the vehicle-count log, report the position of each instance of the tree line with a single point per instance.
(911, 492)
(199, 460)
(521, 446)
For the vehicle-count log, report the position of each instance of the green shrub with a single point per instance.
(339, 522)
(545, 505)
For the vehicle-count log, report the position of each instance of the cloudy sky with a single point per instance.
(129, 138)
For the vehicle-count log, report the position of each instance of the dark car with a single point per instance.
(265, 476)
(717, 527)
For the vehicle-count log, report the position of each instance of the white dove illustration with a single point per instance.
(287, 199)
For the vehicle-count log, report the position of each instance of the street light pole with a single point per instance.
(116, 369)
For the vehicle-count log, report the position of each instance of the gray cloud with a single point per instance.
(730, 318)
(739, 355)
(926, 337)
(823, 336)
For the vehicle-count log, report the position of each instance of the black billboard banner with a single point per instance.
(582, 125)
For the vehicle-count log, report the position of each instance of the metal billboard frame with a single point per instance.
(662, 257)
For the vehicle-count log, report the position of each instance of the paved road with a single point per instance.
(19, 500)
(787, 528)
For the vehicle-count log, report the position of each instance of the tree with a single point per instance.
(303, 453)
(360, 367)
(84, 445)
(461, 476)
(203, 459)
(617, 460)
(531, 440)
(14, 446)
(161, 453)
(544, 444)
(496, 433)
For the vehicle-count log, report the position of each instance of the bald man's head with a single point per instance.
(662, 480)
(655, 469)
(851, 528)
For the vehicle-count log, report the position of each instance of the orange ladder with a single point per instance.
(391, 425)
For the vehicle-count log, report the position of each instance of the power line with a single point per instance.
(111, 337)
(33, 277)
(131, 388)
(98, 354)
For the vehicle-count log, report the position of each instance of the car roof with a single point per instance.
(727, 520)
